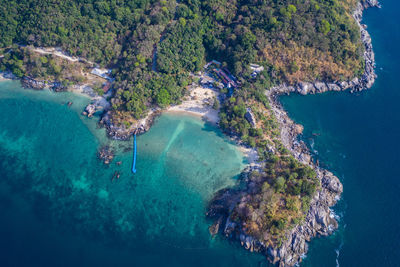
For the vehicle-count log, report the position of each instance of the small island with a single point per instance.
(227, 61)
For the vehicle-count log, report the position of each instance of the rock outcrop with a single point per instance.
(250, 117)
(106, 154)
(29, 82)
(121, 132)
(89, 110)
(7, 75)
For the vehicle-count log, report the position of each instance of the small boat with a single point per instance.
(134, 155)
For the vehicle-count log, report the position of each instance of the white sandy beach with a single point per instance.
(199, 103)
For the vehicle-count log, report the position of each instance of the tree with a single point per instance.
(163, 98)
(291, 9)
(325, 27)
(215, 104)
(279, 184)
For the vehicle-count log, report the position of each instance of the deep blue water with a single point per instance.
(359, 142)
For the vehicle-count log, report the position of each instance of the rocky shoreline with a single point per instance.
(4, 76)
(320, 220)
(31, 83)
(55, 86)
(121, 132)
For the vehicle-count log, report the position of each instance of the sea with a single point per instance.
(59, 205)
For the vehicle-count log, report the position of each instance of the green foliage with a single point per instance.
(215, 104)
(239, 110)
(44, 60)
(124, 34)
(98, 89)
(291, 9)
(23, 62)
(325, 27)
(280, 184)
(182, 21)
(163, 98)
(86, 28)
(182, 49)
(233, 27)
(265, 187)
(280, 224)
(290, 204)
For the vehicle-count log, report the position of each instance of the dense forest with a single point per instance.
(295, 40)
(153, 46)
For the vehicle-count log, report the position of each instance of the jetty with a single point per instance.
(134, 154)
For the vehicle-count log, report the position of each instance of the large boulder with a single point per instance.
(305, 88)
(90, 110)
(333, 87)
(320, 87)
(250, 117)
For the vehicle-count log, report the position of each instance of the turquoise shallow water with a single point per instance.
(359, 142)
(60, 208)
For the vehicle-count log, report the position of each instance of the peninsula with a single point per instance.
(137, 59)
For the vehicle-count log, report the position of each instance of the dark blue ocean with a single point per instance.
(59, 207)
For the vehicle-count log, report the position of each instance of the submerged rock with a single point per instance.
(106, 154)
(214, 228)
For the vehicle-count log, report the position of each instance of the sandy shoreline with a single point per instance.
(199, 103)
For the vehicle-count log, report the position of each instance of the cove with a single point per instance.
(60, 208)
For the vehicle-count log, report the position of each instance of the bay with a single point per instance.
(60, 206)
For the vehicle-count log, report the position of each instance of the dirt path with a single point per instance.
(59, 53)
